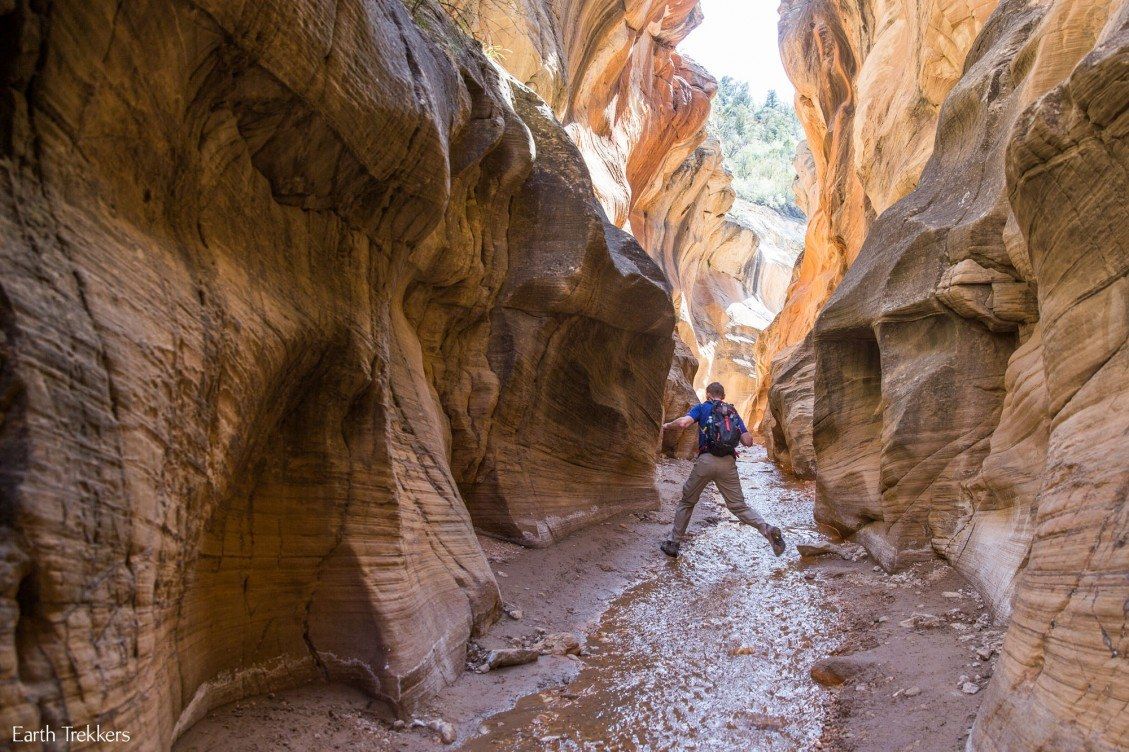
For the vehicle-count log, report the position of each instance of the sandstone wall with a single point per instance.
(870, 78)
(969, 374)
(637, 109)
(1063, 681)
(610, 70)
(289, 295)
(729, 263)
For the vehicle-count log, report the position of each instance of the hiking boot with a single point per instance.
(776, 538)
(670, 548)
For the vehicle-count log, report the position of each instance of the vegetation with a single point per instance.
(758, 142)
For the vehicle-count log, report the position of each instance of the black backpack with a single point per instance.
(722, 431)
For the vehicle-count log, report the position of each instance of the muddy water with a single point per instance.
(711, 652)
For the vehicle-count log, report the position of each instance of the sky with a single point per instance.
(738, 39)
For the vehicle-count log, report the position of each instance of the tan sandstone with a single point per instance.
(969, 370)
(292, 294)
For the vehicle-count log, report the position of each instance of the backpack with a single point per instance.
(722, 430)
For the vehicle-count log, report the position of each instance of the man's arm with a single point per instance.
(684, 422)
(746, 436)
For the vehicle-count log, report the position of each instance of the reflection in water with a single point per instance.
(711, 653)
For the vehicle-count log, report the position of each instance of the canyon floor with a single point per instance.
(712, 651)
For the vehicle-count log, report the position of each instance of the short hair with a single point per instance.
(715, 390)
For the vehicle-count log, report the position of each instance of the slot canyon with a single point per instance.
(340, 344)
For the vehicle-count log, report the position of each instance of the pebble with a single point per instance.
(970, 688)
(950, 594)
(513, 612)
(503, 657)
(445, 730)
(912, 691)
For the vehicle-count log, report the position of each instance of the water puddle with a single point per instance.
(711, 653)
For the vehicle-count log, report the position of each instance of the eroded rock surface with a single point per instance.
(787, 424)
(870, 78)
(969, 371)
(729, 263)
(280, 290)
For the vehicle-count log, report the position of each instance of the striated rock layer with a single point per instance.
(870, 78)
(637, 110)
(729, 263)
(1063, 681)
(280, 290)
(635, 107)
(969, 375)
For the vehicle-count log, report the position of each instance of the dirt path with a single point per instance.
(712, 651)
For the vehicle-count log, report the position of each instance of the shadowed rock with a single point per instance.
(279, 290)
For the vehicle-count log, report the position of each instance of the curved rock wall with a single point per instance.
(729, 263)
(870, 78)
(284, 294)
(969, 374)
(1063, 682)
(610, 70)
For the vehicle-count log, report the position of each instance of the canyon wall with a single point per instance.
(637, 110)
(291, 295)
(729, 263)
(968, 374)
(635, 107)
(870, 78)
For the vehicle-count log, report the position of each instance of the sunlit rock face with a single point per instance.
(283, 295)
(635, 107)
(729, 263)
(870, 78)
(969, 371)
(637, 110)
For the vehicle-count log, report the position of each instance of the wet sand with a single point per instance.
(711, 651)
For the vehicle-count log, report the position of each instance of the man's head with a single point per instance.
(715, 391)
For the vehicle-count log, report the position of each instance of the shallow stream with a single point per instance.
(711, 653)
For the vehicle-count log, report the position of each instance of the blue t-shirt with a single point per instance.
(700, 412)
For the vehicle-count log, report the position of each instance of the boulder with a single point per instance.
(505, 657)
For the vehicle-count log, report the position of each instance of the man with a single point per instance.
(719, 430)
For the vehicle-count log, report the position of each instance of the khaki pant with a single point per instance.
(723, 472)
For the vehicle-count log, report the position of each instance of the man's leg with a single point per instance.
(691, 491)
(729, 483)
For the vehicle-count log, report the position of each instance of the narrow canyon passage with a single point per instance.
(346, 352)
(710, 651)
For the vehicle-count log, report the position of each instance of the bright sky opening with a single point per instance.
(738, 39)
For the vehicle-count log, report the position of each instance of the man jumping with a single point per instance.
(720, 429)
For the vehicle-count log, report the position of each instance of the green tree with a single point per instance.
(758, 142)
